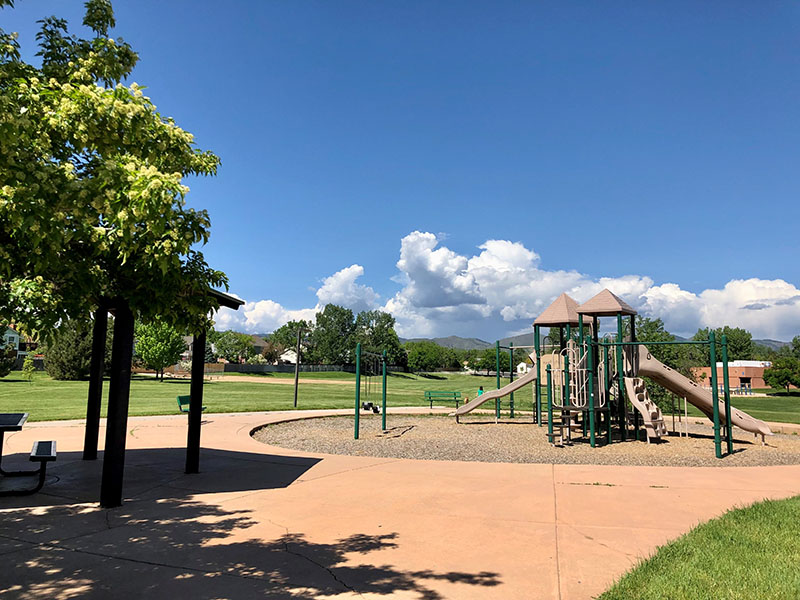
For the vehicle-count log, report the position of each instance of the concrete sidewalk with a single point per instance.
(260, 521)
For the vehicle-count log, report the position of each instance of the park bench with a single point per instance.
(183, 403)
(43, 453)
(444, 396)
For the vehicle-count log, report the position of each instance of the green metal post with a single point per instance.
(635, 412)
(358, 388)
(569, 332)
(497, 369)
(383, 395)
(727, 391)
(590, 365)
(538, 366)
(497, 362)
(621, 408)
(511, 375)
(607, 387)
(712, 351)
(580, 356)
(549, 403)
(565, 381)
(596, 362)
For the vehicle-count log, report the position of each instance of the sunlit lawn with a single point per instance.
(747, 553)
(47, 399)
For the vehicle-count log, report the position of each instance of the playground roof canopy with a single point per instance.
(605, 304)
(563, 311)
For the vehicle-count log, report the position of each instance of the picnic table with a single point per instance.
(42, 452)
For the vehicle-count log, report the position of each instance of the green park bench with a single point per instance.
(443, 396)
(183, 403)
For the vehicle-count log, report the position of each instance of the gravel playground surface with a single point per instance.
(480, 439)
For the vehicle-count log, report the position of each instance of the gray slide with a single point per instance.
(492, 394)
(681, 386)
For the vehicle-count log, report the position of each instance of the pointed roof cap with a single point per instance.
(605, 304)
(562, 311)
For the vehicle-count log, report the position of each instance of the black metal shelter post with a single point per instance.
(118, 396)
(92, 434)
(196, 403)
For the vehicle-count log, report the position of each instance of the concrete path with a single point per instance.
(263, 522)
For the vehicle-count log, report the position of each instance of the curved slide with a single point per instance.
(493, 394)
(703, 399)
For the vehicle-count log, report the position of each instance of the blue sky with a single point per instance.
(461, 164)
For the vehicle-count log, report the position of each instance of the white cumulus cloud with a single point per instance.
(505, 285)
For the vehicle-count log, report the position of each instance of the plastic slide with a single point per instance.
(685, 388)
(493, 394)
(651, 415)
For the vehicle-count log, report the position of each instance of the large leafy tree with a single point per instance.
(68, 352)
(783, 373)
(233, 346)
(423, 356)
(92, 199)
(375, 331)
(285, 338)
(334, 336)
(159, 345)
(740, 341)
(795, 346)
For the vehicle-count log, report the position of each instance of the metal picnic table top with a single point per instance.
(12, 421)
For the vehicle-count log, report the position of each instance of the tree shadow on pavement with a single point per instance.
(184, 548)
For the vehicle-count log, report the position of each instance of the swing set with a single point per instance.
(369, 365)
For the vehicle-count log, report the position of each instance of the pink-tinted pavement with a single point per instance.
(265, 522)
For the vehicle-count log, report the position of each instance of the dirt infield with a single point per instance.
(280, 381)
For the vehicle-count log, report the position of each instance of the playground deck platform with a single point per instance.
(261, 521)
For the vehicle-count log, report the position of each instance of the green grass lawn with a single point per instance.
(778, 407)
(747, 553)
(47, 399)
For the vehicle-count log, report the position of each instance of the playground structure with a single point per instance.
(591, 383)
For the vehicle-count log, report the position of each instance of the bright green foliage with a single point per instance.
(159, 345)
(784, 372)
(28, 368)
(49, 399)
(488, 360)
(233, 346)
(68, 352)
(748, 553)
(795, 346)
(740, 342)
(92, 200)
(375, 331)
(8, 358)
(425, 356)
(334, 336)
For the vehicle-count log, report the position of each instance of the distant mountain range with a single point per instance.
(526, 339)
(772, 344)
(453, 341)
(461, 343)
